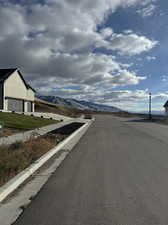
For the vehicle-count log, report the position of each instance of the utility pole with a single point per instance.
(150, 106)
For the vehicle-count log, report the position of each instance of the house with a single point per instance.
(166, 108)
(15, 93)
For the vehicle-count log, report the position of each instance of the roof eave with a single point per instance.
(27, 85)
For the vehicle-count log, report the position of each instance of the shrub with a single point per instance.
(16, 145)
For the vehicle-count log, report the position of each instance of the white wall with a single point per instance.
(6, 104)
(14, 87)
(33, 107)
(30, 94)
(25, 106)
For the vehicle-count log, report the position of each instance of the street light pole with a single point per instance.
(150, 106)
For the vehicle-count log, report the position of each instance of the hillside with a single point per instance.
(44, 106)
(78, 105)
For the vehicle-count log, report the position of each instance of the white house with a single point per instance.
(15, 93)
(166, 108)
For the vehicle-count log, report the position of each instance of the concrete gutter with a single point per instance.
(15, 182)
(24, 136)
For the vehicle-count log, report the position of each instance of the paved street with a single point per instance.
(116, 175)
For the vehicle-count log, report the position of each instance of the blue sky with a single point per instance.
(111, 52)
(154, 27)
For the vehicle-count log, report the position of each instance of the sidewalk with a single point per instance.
(24, 136)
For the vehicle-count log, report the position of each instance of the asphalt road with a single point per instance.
(116, 175)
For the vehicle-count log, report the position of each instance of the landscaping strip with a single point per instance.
(18, 156)
(24, 136)
(14, 183)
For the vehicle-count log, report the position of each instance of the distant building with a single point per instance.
(166, 108)
(15, 93)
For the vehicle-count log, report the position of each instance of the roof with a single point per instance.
(166, 104)
(5, 73)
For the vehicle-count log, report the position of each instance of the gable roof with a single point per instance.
(5, 73)
(26, 84)
(166, 104)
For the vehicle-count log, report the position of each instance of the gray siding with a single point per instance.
(29, 106)
(15, 105)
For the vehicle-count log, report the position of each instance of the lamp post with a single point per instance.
(150, 106)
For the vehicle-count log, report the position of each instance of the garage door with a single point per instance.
(29, 106)
(15, 105)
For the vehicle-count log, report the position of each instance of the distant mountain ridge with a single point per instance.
(154, 112)
(79, 104)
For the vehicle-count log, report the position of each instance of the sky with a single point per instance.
(111, 52)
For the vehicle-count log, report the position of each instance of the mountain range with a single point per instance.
(154, 112)
(79, 104)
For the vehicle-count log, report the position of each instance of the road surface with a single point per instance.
(116, 175)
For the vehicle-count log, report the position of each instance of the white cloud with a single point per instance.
(133, 100)
(148, 7)
(12, 21)
(92, 69)
(127, 31)
(151, 58)
(52, 43)
(106, 32)
(129, 44)
(164, 78)
(147, 11)
(147, 2)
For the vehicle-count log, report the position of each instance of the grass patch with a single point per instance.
(19, 121)
(18, 156)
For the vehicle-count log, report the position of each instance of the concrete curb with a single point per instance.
(15, 182)
(24, 136)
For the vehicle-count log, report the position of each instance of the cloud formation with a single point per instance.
(148, 7)
(57, 43)
(129, 43)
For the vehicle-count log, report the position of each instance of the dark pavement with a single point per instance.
(116, 175)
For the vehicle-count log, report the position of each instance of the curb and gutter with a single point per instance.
(19, 179)
(25, 136)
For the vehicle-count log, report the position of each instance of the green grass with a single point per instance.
(19, 121)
